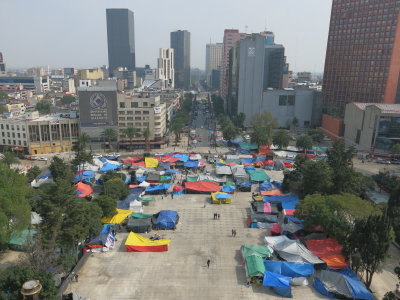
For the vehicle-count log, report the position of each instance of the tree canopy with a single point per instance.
(316, 135)
(263, 126)
(43, 107)
(304, 142)
(281, 138)
(60, 169)
(107, 205)
(32, 173)
(116, 189)
(396, 149)
(9, 158)
(67, 99)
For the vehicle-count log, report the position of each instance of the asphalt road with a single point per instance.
(201, 123)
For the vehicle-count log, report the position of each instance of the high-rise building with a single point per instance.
(213, 59)
(2, 65)
(362, 58)
(180, 42)
(165, 68)
(121, 39)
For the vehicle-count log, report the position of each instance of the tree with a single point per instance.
(304, 142)
(316, 135)
(295, 122)
(66, 100)
(229, 131)
(393, 211)
(3, 95)
(340, 160)
(43, 107)
(112, 174)
(396, 149)
(15, 212)
(9, 158)
(176, 127)
(263, 125)
(107, 205)
(14, 277)
(369, 241)
(281, 138)
(239, 119)
(81, 157)
(334, 213)
(316, 178)
(32, 173)
(146, 135)
(83, 140)
(60, 170)
(109, 134)
(130, 133)
(116, 189)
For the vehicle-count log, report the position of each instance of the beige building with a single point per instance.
(142, 111)
(165, 70)
(90, 74)
(213, 58)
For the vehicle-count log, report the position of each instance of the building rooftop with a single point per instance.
(385, 108)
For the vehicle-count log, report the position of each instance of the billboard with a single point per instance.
(98, 108)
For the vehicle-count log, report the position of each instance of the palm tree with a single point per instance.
(9, 158)
(146, 134)
(130, 133)
(83, 140)
(110, 135)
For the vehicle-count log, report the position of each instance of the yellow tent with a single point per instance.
(220, 197)
(138, 243)
(151, 162)
(121, 215)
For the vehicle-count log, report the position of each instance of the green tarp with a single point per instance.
(21, 240)
(140, 216)
(146, 199)
(261, 251)
(165, 179)
(191, 178)
(248, 146)
(319, 149)
(230, 183)
(258, 175)
(254, 266)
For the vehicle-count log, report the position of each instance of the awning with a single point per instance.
(138, 243)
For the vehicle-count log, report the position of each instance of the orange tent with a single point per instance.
(271, 193)
(83, 189)
(335, 261)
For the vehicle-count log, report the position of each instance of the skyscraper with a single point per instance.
(213, 59)
(2, 65)
(165, 68)
(121, 39)
(362, 58)
(180, 42)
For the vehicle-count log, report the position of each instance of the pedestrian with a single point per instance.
(215, 216)
(76, 277)
(232, 232)
(208, 263)
(172, 195)
(162, 197)
(218, 216)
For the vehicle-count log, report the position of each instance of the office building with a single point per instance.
(36, 72)
(362, 58)
(373, 127)
(129, 77)
(39, 84)
(2, 65)
(304, 77)
(69, 72)
(213, 59)
(214, 79)
(165, 68)
(90, 74)
(120, 39)
(180, 42)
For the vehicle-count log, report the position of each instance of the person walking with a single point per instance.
(172, 195)
(208, 263)
(218, 216)
(232, 231)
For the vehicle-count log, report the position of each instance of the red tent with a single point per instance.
(177, 189)
(203, 186)
(271, 193)
(330, 251)
(287, 164)
(83, 189)
(139, 164)
(276, 229)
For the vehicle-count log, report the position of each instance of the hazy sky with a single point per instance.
(72, 33)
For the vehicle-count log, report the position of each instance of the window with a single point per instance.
(138, 124)
(282, 100)
(18, 135)
(121, 118)
(134, 104)
(17, 127)
(130, 112)
(122, 105)
(129, 118)
(121, 124)
(129, 124)
(7, 127)
(146, 118)
(4, 141)
(146, 112)
(2, 126)
(291, 100)
(138, 118)
(145, 104)
(138, 112)
(157, 123)
(121, 112)
(145, 123)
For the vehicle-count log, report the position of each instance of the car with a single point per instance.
(42, 158)
(29, 157)
(194, 141)
(327, 139)
(246, 137)
(395, 161)
(382, 161)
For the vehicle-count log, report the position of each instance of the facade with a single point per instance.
(69, 72)
(304, 76)
(120, 39)
(36, 72)
(39, 84)
(69, 85)
(128, 76)
(2, 65)
(142, 111)
(165, 70)
(180, 42)
(90, 74)
(214, 80)
(372, 127)
(213, 59)
(363, 55)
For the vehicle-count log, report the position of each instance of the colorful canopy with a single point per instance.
(83, 189)
(330, 251)
(258, 175)
(121, 215)
(151, 162)
(254, 265)
(202, 186)
(271, 193)
(138, 243)
(219, 197)
(258, 250)
(288, 268)
(167, 219)
(140, 215)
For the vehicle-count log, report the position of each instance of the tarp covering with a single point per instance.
(182, 157)
(191, 178)
(83, 189)
(218, 198)
(287, 201)
(228, 189)
(159, 187)
(138, 243)
(151, 162)
(146, 199)
(85, 175)
(265, 186)
(254, 265)
(248, 146)
(194, 157)
(202, 186)
(191, 164)
(119, 217)
(139, 225)
(258, 250)
(223, 170)
(212, 178)
(271, 193)
(288, 268)
(258, 175)
(280, 283)
(348, 286)
(292, 250)
(239, 172)
(140, 215)
(167, 219)
(109, 167)
(22, 239)
(329, 250)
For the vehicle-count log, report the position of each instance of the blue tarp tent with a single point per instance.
(243, 151)
(247, 160)
(280, 283)
(128, 179)
(160, 187)
(287, 201)
(109, 167)
(165, 165)
(102, 159)
(191, 164)
(222, 196)
(318, 285)
(167, 219)
(265, 186)
(45, 175)
(85, 175)
(182, 157)
(172, 171)
(124, 204)
(228, 189)
(288, 268)
(278, 184)
(261, 158)
(141, 178)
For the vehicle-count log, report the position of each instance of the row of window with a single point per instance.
(135, 104)
(137, 124)
(14, 142)
(136, 112)
(371, 4)
(52, 132)
(136, 118)
(12, 134)
(286, 100)
(11, 127)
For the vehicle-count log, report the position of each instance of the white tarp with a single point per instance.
(144, 184)
(38, 182)
(231, 157)
(291, 250)
(238, 171)
(211, 178)
(223, 170)
(195, 157)
(286, 154)
(136, 206)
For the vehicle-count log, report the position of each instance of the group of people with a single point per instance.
(216, 216)
(233, 232)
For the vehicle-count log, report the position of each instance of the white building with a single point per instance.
(165, 68)
(213, 58)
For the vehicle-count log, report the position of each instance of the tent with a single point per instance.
(291, 250)
(158, 188)
(118, 218)
(248, 146)
(271, 193)
(146, 199)
(166, 219)
(182, 157)
(151, 162)
(219, 197)
(257, 250)
(138, 243)
(191, 164)
(265, 186)
(239, 172)
(109, 167)
(292, 227)
(139, 225)
(344, 284)
(288, 268)
(194, 157)
(245, 186)
(83, 189)
(254, 265)
(105, 239)
(329, 250)
(212, 178)
(280, 283)
(22, 240)
(191, 178)
(140, 215)
(254, 219)
(84, 175)
(202, 186)
(287, 201)
(258, 175)
(223, 170)
(228, 189)
(153, 177)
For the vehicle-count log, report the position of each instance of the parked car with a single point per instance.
(246, 137)
(382, 161)
(42, 158)
(29, 157)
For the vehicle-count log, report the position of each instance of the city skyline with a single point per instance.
(304, 35)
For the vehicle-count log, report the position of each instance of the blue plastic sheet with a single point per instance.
(222, 196)
(265, 186)
(167, 219)
(280, 283)
(172, 171)
(160, 187)
(109, 167)
(85, 175)
(289, 268)
(141, 178)
(191, 164)
(127, 179)
(228, 189)
(321, 288)
(247, 160)
(182, 157)
(260, 158)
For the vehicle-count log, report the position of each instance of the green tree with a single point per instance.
(80, 159)
(130, 133)
(263, 126)
(393, 212)
(9, 158)
(304, 142)
(316, 178)
(396, 149)
(107, 205)
(295, 122)
(147, 135)
(340, 160)
(3, 95)
(112, 174)
(369, 241)
(32, 173)
(14, 277)
(316, 135)
(66, 100)
(281, 138)
(60, 169)
(110, 135)
(14, 205)
(83, 140)
(176, 128)
(239, 119)
(116, 189)
(43, 107)
(229, 131)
